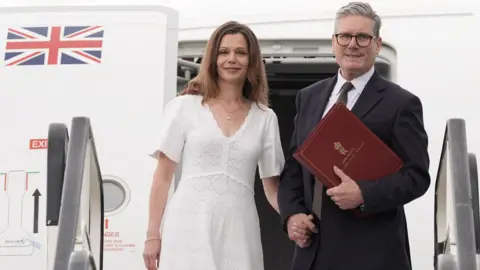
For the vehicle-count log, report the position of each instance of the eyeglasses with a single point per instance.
(363, 40)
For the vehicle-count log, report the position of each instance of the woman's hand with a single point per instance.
(151, 253)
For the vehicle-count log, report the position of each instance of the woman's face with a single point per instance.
(233, 59)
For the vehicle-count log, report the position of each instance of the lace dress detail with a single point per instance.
(211, 223)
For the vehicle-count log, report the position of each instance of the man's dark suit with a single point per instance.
(345, 242)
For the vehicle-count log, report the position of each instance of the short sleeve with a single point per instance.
(272, 159)
(172, 132)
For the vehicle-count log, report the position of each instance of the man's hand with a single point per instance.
(347, 195)
(300, 227)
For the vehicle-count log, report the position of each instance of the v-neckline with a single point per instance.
(219, 129)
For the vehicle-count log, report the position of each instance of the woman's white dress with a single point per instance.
(211, 222)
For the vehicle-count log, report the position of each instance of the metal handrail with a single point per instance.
(189, 64)
(82, 260)
(472, 164)
(455, 149)
(56, 161)
(81, 150)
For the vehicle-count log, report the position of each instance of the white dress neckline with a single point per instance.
(238, 131)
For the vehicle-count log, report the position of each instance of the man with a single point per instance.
(328, 234)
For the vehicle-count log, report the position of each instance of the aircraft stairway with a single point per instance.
(75, 205)
(456, 215)
(75, 200)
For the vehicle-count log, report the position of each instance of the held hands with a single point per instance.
(347, 195)
(300, 227)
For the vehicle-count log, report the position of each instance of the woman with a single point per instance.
(221, 128)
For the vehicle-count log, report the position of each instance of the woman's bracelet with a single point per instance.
(153, 238)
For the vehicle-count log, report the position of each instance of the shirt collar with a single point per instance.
(359, 82)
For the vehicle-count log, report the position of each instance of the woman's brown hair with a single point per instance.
(205, 83)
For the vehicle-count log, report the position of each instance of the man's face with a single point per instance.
(355, 46)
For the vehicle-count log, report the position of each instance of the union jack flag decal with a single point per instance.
(54, 45)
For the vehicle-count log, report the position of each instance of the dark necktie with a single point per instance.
(318, 190)
(343, 97)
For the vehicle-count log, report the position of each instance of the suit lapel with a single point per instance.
(371, 95)
(321, 101)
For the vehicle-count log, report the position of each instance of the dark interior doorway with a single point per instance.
(277, 248)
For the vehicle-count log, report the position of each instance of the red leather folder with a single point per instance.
(341, 139)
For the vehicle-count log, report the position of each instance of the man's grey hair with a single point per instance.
(360, 9)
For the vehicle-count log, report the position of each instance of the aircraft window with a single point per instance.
(115, 195)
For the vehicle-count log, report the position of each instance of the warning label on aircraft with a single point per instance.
(113, 241)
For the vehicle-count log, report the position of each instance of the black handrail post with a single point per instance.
(56, 160)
